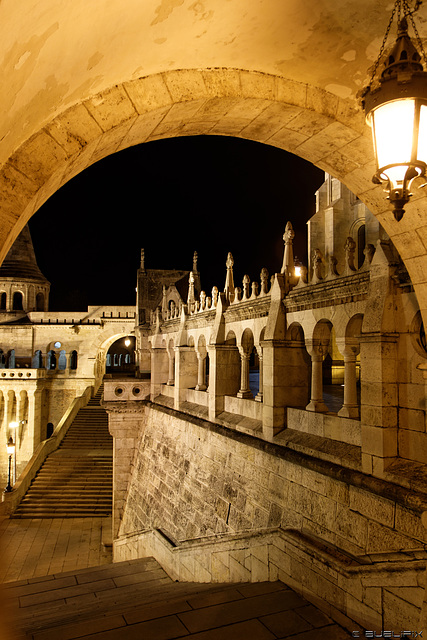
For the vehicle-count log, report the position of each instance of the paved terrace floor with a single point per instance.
(61, 577)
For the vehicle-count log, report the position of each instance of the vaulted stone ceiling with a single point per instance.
(83, 79)
(54, 54)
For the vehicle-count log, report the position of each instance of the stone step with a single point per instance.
(77, 479)
(92, 512)
(136, 599)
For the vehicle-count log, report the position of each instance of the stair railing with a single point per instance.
(11, 500)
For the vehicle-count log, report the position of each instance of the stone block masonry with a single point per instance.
(265, 512)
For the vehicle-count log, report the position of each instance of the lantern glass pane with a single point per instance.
(422, 135)
(393, 130)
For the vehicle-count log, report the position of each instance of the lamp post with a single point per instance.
(13, 426)
(396, 110)
(10, 447)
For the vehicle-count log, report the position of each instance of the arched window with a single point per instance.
(37, 362)
(40, 302)
(62, 361)
(3, 299)
(51, 360)
(2, 359)
(73, 360)
(17, 304)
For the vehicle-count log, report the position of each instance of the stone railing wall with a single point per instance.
(193, 479)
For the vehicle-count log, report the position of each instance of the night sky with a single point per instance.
(209, 194)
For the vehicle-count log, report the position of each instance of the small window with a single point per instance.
(73, 360)
(3, 301)
(51, 360)
(18, 300)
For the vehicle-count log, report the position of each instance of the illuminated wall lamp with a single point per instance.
(396, 110)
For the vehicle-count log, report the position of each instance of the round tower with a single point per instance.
(23, 287)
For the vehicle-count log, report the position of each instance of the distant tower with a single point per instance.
(23, 287)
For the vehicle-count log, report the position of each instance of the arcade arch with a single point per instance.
(302, 119)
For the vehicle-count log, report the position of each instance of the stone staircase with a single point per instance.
(76, 479)
(136, 599)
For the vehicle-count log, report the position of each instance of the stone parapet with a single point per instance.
(370, 590)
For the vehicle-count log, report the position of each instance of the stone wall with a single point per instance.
(191, 479)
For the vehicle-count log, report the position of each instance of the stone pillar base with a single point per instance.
(245, 394)
(318, 406)
(349, 411)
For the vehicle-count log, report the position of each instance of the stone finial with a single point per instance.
(255, 288)
(143, 259)
(350, 248)
(202, 300)
(229, 280)
(190, 297)
(317, 259)
(288, 257)
(164, 305)
(246, 283)
(214, 296)
(195, 256)
(237, 294)
(264, 281)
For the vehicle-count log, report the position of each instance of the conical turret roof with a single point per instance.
(20, 262)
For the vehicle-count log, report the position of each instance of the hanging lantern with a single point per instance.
(396, 110)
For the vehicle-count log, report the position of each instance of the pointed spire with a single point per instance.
(288, 258)
(195, 256)
(229, 280)
(143, 259)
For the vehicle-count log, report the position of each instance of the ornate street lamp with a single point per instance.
(10, 447)
(396, 109)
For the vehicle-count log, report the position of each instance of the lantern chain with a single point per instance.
(377, 61)
(410, 13)
(406, 12)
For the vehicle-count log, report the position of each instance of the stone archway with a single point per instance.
(309, 122)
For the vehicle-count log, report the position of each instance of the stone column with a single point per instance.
(259, 396)
(159, 370)
(350, 408)
(185, 372)
(171, 375)
(34, 419)
(201, 372)
(244, 391)
(379, 401)
(125, 423)
(8, 412)
(316, 401)
(222, 379)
